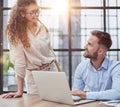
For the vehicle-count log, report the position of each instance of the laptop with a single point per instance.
(53, 86)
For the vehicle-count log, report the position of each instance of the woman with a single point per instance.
(29, 45)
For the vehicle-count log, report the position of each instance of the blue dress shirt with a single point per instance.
(103, 83)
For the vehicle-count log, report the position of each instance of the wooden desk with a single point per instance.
(35, 101)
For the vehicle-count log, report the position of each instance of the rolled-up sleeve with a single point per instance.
(78, 82)
(18, 58)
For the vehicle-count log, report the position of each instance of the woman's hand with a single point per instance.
(13, 95)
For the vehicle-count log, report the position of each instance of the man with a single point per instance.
(99, 74)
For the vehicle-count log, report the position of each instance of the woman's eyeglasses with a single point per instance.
(34, 12)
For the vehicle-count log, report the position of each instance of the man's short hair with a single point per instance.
(104, 38)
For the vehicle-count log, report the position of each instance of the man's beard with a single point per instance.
(93, 56)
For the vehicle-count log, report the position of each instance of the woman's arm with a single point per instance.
(19, 92)
(57, 66)
(18, 58)
(20, 85)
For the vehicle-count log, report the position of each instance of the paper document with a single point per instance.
(112, 103)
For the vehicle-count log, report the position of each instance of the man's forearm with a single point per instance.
(103, 95)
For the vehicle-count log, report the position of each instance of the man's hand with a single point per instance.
(79, 93)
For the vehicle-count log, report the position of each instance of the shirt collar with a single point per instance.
(103, 66)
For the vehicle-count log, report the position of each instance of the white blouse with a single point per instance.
(26, 59)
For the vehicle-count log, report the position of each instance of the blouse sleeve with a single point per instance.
(52, 52)
(17, 56)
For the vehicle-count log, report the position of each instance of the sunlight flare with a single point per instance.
(59, 6)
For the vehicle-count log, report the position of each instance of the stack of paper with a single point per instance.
(112, 103)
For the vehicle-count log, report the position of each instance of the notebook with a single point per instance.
(53, 86)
